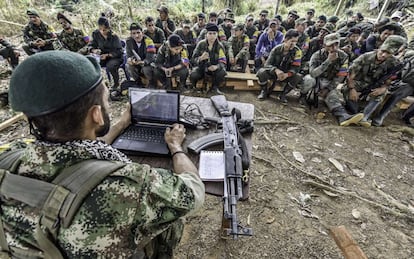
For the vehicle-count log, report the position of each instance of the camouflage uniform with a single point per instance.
(239, 49)
(170, 25)
(157, 37)
(189, 39)
(288, 63)
(221, 36)
(253, 34)
(136, 208)
(303, 43)
(197, 29)
(329, 74)
(7, 52)
(355, 49)
(217, 57)
(146, 51)
(367, 73)
(165, 59)
(75, 41)
(32, 32)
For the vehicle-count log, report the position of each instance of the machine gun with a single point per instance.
(234, 167)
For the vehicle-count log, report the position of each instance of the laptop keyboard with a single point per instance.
(145, 134)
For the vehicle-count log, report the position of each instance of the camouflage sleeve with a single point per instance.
(245, 50)
(296, 62)
(230, 48)
(318, 66)
(160, 58)
(196, 53)
(184, 57)
(27, 36)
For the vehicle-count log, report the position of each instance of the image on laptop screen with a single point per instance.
(154, 106)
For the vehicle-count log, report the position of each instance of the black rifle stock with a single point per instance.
(233, 169)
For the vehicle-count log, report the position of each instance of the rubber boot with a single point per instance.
(263, 91)
(302, 99)
(244, 65)
(286, 90)
(216, 90)
(369, 109)
(346, 119)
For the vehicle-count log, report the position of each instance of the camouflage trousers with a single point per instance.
(137, 72)
(217, 76)
(162, 246)
(265, 74)
(332, 97)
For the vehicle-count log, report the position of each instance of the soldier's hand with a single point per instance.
(353, 95)
(378, 91)
(332, 56)
(204, 56)
(212, 68)
(232, 61)
(175, 136)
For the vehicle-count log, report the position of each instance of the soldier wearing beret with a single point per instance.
(8, 52)
(133, 212)
(155, 33)
(329, 67)
(366, 72)
(71, 38)
(172, 60)
(107, 46)
(239, 45)
(37, 35)
(140, 51)
(283, 65)
(164, 22)
(200, 24)
(209, 58)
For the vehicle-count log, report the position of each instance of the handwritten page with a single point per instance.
(211, 166)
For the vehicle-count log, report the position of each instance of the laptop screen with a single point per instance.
(157, 106)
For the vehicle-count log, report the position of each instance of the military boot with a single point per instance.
(346, 119)
(386, 109)
(263, 91)
(286, 90)
(368, 110)
(302, 99)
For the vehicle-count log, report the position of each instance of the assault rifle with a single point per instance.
(234, 168)
(366, 91)
(136, 56)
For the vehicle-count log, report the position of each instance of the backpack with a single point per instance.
(57, 202)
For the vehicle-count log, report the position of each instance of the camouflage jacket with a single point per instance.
(315, 44)
(290, 62)
(75, 41)
(189, 39)
(197, 29)
(221, 35)
(170, 25)
(239, 47)
(303, 43)
(157, 37)
(129, 205)
(355, 49)
(32, 32)
(320, 66)
(146, 51)
(367, 71)
(166, 59)
(217, 55)
(253, 33)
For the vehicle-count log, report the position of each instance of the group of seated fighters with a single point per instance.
(315, 56)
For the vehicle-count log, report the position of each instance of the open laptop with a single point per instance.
(152, 111)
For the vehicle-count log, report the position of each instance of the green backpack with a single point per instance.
(58, 201)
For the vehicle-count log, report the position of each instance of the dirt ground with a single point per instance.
(307, 175)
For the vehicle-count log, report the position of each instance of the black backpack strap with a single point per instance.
(59, 201)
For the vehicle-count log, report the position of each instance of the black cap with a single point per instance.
(174, 40)
(294, 13)
(201, 15)
(32, 12)
(135, 26)
(61, 16)
(322, 18)
(211, 27)
(103, 21)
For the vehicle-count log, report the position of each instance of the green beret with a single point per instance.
(393, 43)
(32, 12)
(49, 81)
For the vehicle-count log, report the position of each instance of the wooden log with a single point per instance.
(346, 243)
(11, 121)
